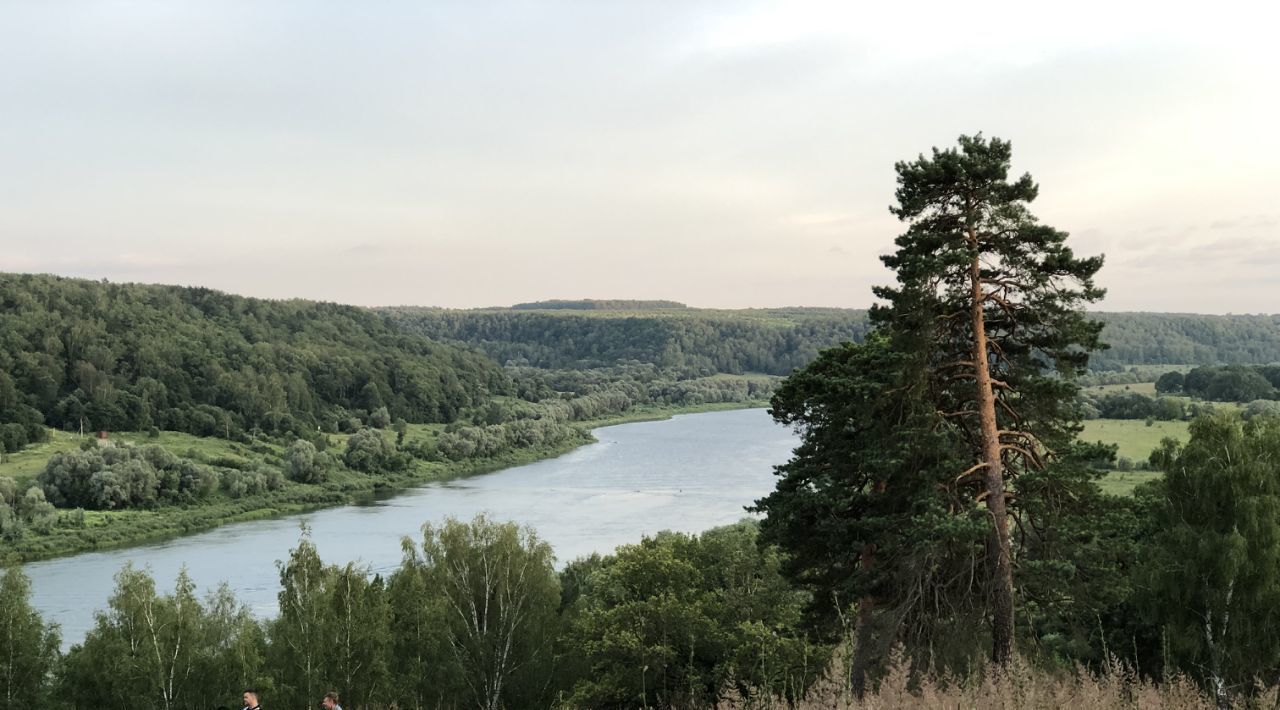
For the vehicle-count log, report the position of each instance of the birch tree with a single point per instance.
(167, 650)
(501, 594)
(28, 646)
(299, 635)
(1213, 569)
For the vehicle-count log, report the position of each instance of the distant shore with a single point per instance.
(141, 527)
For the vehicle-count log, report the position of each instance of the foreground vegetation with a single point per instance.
(1023, 686)
(477, 616)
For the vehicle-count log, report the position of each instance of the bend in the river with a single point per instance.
(688, 473)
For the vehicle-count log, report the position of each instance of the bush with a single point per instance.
(117, 477)
(304, 464)
(1261, 408)
(13, 437)
(368, 451)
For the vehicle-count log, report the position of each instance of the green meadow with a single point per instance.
(1134, 440)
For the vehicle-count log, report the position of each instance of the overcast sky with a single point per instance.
(724, 154)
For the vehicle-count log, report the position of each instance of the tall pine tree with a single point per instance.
(992, 299)
(863, 510)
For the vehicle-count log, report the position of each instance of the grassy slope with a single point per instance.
(1134, 438)
(24, 465)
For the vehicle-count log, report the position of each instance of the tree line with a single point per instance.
(1224, 383)
(595, 304)
(687, 343)
(1187, 339)
(90, 355)
(475, 616)
(696, 342)
(555, 400)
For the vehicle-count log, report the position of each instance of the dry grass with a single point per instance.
(1015, 689)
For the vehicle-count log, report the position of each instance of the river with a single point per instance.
(688, 473)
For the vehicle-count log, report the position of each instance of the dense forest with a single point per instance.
(85, 355)
(687, 342)
(777, 341)
(1187, 339)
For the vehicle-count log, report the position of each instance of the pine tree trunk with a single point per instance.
(862, 631)
(1001, 564)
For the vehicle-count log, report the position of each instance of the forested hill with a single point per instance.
(129, 357)
(695, 341)
(1188, 339)
(687, 341)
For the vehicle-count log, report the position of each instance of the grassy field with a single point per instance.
(1146, 388)
(1122, 483)
(1135, 441)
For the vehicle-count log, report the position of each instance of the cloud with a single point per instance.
(467, 154)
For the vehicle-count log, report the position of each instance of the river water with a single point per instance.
(688, 473)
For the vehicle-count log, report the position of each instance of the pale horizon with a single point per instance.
(719, 154)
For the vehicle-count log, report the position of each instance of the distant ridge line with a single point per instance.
(592, 304)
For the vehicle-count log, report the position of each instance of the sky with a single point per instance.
(722, 154)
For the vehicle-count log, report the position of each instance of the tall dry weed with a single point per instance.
(1018, 687)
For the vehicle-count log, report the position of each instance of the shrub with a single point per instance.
(304, 464)
(368, 451)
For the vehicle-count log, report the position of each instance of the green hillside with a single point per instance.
(94, 355)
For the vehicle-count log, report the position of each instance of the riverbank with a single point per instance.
(688, 474)
(118, 529)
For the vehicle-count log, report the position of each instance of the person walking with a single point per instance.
(330, 701)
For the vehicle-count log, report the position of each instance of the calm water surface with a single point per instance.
(689, 473)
